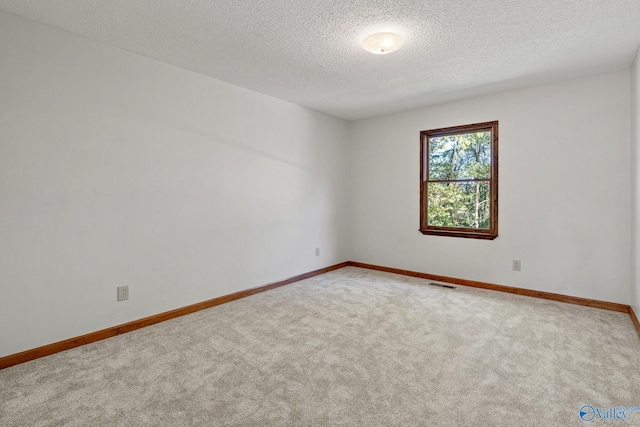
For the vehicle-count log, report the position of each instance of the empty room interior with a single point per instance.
(324, 213)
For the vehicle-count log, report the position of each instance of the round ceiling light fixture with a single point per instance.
(383, 43)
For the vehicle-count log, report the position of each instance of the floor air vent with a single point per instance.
(440, 285)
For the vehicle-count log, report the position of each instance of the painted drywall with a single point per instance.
(564, 190)
(118, 169)
(635, 183)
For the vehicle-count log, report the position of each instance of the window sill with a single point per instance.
(459, 233)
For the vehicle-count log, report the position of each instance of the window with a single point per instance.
(459, 181)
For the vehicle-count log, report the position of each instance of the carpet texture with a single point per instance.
(352, 347)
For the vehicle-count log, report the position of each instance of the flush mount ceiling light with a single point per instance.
(382, 43)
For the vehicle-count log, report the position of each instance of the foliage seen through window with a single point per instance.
(459, 181)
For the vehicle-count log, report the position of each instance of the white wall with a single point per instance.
(635, 183)
(118, 169)
(564, 190)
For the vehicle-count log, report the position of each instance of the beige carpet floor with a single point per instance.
(348, 348)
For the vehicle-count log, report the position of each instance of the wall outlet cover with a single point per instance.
(123, 293)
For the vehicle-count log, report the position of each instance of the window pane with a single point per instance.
(459, 204)
(461, 156)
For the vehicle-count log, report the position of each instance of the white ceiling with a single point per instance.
(308, 52)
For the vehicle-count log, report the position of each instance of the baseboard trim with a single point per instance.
(634, 319)
(46, 350)
(623, 308)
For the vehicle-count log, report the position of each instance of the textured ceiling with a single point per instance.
(308, 52)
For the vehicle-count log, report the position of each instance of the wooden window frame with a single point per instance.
(488, 234)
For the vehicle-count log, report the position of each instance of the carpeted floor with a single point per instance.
(348, 348)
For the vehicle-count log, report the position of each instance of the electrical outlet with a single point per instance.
(317, 251)
(517, 265)
(123, 293)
